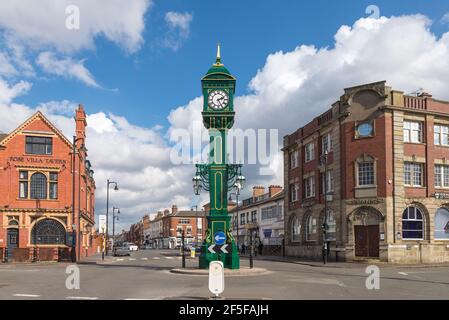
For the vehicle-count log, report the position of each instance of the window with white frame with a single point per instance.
(294, 157)
(441, 176)
(413, 131)
(309, 152)
(331, 226)
(242, 218)
(441, 135)
(413, 174)
(365, 171)
(309, 187)
(412, 224)
(327, 182)
(311, 228)
(326, 143)
(296, 229)
(294, 192)
(442, 224)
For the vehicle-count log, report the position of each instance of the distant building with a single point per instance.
(386, 174)
(191, 222)
(264, 214)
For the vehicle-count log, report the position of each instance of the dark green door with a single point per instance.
(13, 240)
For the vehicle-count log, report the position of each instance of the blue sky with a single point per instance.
(137, 65)
(155, 79)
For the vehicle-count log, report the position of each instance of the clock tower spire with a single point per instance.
(217, 176)
(218, 62)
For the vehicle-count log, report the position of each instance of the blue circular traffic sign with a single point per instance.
(220, 237)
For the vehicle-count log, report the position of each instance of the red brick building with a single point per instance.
(191, 222)
(383, 157)
(36, 188)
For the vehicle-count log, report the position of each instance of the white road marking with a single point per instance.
(144, 258)
(403, 273)
(26, 295)
(169, 258)
(120, 259)
(82, 298)
(140, 299)
(156, 258)
(132, 259)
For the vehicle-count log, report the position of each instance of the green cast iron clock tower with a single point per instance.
(218, 176)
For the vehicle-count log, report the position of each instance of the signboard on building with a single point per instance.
(440, 195)
(102, 223)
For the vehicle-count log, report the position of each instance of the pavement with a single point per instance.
(146, 274)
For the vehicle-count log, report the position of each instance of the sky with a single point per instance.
(136, 67)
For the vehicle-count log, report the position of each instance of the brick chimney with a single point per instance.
(174, 209)
(258, 191)
(81, 124)
(273, 190)
(166, 212)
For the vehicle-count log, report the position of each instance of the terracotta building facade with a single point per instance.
(36, 192)
(375, 168)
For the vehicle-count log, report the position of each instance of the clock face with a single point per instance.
(218, 99)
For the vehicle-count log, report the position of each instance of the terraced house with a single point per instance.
(373, 171)
(47, 193)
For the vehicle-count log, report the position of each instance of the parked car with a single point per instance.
(121, 251)
(131, 246)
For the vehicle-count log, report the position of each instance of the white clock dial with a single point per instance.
(218, 99)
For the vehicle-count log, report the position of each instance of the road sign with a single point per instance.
(214, 248)
(102, 223)
(220, 237)
(216, 277)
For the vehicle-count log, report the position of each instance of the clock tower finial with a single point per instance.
(218, 61)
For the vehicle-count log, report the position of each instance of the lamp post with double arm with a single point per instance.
(324, 226)
(107, 209)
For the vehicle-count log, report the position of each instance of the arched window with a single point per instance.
(442, 224)
(48, 231)
(296, 229)
(311, 228)
(412, 224)
(331, 226)
(38, 188)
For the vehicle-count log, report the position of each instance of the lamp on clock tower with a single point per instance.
(218, 176)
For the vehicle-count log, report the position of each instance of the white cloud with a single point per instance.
(29, 28)
(121, 22)
(9, 92)
(445, 18)
(178, 29)
(65, 67)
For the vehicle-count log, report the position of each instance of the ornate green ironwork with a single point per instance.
(217, 177)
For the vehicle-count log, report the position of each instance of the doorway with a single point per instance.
(12, 240)
(366, 241)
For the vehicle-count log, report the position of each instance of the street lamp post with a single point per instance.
(196, 223)
(237, 186)
(107, 209)
(324, 226)
(182, 249)
(113, 225)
